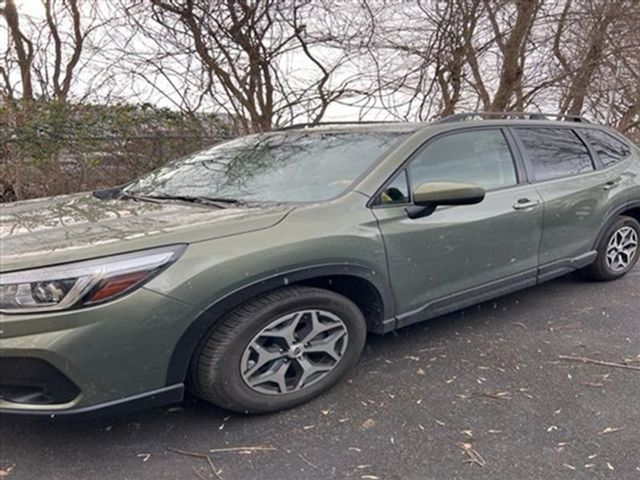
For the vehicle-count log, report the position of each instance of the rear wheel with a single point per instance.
(618, 251)
(279, 350)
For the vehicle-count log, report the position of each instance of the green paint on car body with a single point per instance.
(320, 224)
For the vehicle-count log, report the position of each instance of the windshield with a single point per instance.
(276, 167)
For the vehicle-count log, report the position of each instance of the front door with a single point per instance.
(460, 254)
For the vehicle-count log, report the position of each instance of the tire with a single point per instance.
(221, 369)
(602, 269)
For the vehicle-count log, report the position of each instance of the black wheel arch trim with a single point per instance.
(612, 217)
(210, 316)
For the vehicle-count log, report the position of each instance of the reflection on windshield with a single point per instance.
(276, 167)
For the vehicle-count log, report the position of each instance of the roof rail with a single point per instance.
(459, 117)
(354, 122)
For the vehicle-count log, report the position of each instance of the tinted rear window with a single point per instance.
(610, 150)
(554, 152)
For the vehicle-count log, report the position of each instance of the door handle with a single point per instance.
(525, 204)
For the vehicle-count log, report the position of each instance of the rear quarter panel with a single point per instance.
(577, 208)
(633, 175)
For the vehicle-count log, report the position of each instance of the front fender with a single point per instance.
(214, 313)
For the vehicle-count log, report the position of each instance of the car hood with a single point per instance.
(73, 227)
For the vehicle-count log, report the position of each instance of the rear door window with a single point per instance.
(554, 152)
(610, 150)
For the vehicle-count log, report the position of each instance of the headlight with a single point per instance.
(82, 283)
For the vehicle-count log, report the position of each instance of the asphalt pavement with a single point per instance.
(495, 391)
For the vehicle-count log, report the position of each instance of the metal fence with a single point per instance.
(36, 168)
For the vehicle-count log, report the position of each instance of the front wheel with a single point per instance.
(618, 251)
(279, 350)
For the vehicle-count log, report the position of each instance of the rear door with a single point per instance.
(576, 195)
(460, 254)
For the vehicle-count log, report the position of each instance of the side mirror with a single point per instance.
(428, 196)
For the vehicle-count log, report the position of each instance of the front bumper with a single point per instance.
(154, 398)
(108, 357)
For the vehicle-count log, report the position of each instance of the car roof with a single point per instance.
(459, 120)
(357, 127)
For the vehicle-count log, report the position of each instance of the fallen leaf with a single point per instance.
(499, 395)
(368, 423)
(259, 448)
(474, 456)
(5, 472)
(610, 430)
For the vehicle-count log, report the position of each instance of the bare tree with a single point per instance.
(472, 54)
(512, 45)
(63, 74)
(23, 49)
(44, 58)
(51, 52)
(582, 47)
(264, 63)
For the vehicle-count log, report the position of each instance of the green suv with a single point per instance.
(250, 273)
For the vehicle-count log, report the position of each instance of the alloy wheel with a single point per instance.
(622, 248)
(294, 351)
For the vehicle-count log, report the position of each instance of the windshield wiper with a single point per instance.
(218, 202)
(119, 193)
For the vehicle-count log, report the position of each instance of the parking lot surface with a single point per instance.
(510, 389)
